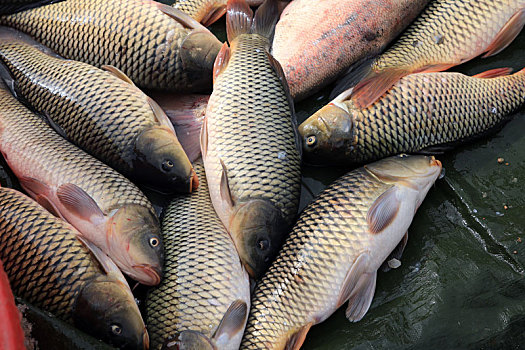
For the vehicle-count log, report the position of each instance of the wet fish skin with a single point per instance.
(252, 164)
(203, 274)
(447, 33)
(206, 11)
(100, 112)
(420, 111)
(49, 267)
(104, 206)
(333, 252)
(315, 41)
(155, 50)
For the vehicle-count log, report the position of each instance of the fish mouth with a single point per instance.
(194, 181)
(154, 274)
(435, 162)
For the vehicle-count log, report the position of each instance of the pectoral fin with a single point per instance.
(383, 212)
(78, 202)
(160, 115)
(390, 262)
(214, 15)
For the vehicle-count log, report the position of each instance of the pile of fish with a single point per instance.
(231, 264)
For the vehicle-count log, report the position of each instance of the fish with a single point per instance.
(315, 41)
(155, 45)
(335, 249)
(205, 288)
(186, 113)
(100, 111)
(207, 11)
(448, 33)
(108, 209)
(51, 267)
(11, 333)
(423, 112)
(249, 142)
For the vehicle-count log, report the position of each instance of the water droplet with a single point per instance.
(474, 211)
(494, 110)
(281, 155)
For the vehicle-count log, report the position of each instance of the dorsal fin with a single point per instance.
(117, 73)
(494, 73)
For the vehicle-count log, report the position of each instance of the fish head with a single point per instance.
(327, 135)
(106, 309)
(136, 244)
(198, 52)
(160, 161)
(258, 229)
(416, 172)
(189, 340)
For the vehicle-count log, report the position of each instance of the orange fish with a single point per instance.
(317, 40)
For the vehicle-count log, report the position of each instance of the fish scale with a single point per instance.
(54, 86)
(447, 33)
(260, 173)
(335, 248)
(65, 163)
(454, 22)
(145, 44)
(420, 111)
(46, 263)
(203, 274)
(328, 235)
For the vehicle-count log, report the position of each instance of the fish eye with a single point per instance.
(167, 165)
(311, 140)
(262, 244)
(116, 329)
(153, 241)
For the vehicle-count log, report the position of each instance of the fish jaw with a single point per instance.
(258, 231)
(135, 244)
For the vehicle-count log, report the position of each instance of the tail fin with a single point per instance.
(240, 19)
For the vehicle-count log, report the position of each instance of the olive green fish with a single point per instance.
(335, 249)
(100, 111)
(205, 288)
(154, 44)
(424, 111)
(447, 33)
(49, 266)
(248, 141)
(103, 205)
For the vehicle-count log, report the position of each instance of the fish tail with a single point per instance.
(374, 85)
(240, 19)
(266, 18)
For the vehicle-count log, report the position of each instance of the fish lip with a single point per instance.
(194, 181)
(153, 272)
